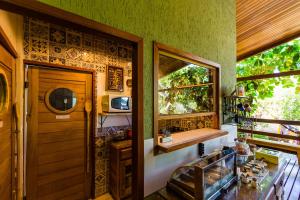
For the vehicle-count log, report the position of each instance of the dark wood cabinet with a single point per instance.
(120, 169)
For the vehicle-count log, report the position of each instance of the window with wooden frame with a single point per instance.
(186, 99)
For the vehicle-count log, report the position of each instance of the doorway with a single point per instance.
(59, 133)
(72, 21)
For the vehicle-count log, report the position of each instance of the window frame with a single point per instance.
(159, 49)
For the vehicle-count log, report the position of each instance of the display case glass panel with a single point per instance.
(205, 178)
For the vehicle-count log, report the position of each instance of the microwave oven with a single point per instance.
(116, 103)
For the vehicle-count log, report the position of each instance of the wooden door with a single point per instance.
(58, 143)
(7, 65)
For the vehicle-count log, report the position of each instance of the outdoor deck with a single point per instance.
(292, 180)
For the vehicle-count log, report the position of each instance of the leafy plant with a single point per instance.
(285, 57)
(173, 99)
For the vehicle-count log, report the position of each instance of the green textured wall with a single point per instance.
(203, 27)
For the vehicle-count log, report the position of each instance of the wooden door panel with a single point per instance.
(60, 126)
(60, 185)
(46, 169)
(77, 88)
(58, 147)
(61, 136)
(58, 141)
(7, 65)
(47, 116)
(65, 193)
(55, 157)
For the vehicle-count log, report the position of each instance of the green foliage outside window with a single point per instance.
(184, 100)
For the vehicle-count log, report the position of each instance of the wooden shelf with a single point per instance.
(186, 86)
(189, 138)
(166, 117)
(115, 113)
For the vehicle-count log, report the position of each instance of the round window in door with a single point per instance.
(4, 96)
(61, 100)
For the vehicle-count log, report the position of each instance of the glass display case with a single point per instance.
(205, 178)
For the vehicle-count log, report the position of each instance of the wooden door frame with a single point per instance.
(42, 11)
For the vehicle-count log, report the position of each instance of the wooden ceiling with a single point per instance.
(263, 24)
(168, 65)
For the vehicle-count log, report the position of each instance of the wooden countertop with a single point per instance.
(188, 138)
(121, 144)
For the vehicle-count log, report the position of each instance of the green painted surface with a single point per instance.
(202, 27)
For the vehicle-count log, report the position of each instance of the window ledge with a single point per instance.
(189, 138)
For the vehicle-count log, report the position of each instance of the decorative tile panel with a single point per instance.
(103, 141)
(47, 42)
(57, 34)
(190, 123)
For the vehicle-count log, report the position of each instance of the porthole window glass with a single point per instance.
(62, 99)
(3, 93)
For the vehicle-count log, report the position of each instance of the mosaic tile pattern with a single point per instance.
(52, 43)
(103, 140)
(190, 123)
(46, 42)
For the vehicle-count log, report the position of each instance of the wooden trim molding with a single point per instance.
(42, 11)
(7, 44)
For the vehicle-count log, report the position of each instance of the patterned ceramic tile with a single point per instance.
(39, 46)
(56, 60)
(74, 39)
(57, 50)
(57, 34)
(188, 123)
(74, 63)
(87, 65)
(39, 30)
(100, 44)
(122, 52)
(101, 58)
(100, 68)
(88, 56)
(112, 47)
(73, 53)
(36, 57)
(88, 41)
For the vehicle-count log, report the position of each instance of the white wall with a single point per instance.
(112, 120)
(159, 168)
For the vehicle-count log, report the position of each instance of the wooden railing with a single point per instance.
(272, 134)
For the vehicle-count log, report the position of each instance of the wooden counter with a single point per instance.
(188, 138)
